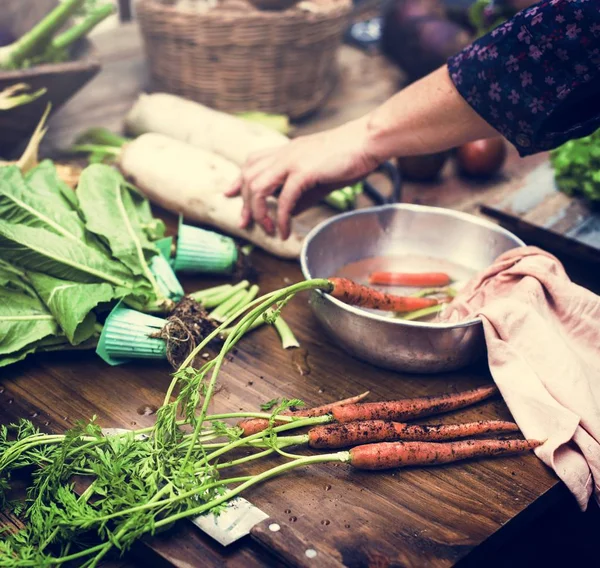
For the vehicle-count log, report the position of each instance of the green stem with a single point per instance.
(220, 312)
(201, 295)
(259, 322)
(423, 312)
(214, 301)
(251, 457)
(267, 302)
(338, 200)
(342, 457)
(244, 301)
(39, 36)
(297, 423)
(79, 30)
(171, 500)
(288, 339)
(102, 138)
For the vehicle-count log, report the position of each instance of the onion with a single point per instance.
(481, 158)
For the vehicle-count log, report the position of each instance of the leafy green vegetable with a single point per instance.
(24, 320)
(70, 259)
(35, 248)
(577, 167)
(72, 303)
(110, 213)
(19, 204)
(44, 179)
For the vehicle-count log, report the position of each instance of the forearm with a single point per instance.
(426, 117)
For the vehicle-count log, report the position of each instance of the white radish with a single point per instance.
(229, 136)
(191, 181)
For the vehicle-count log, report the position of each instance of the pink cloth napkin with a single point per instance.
(543, 338)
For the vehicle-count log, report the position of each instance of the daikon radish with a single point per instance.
(229, 136)
(191, 181)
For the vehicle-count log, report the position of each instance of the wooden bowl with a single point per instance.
(61, 80)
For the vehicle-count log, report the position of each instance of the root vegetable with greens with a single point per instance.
(174, 472)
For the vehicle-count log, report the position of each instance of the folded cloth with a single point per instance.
(542, 333)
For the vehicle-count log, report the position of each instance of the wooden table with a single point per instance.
(437, 517)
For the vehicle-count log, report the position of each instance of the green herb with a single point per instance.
(269, 404)
(577, 167)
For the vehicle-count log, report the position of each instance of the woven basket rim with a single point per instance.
(333, 8)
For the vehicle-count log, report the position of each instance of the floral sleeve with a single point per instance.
(536, 78)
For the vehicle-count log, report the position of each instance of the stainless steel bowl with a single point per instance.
(400, 229)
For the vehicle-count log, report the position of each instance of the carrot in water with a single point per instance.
(411, 407)
(331, 436)
(355, 294)
(254, 425)
(388, 455)
(424, 279)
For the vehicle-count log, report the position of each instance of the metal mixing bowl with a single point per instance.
(393, 230)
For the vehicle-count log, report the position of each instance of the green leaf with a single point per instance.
(14, 279)
(269, 404)
(45, 178)
(37, 207)
(109, 212)
(577, 166)
(23, 322)
(153, 227)
(38, 249)
(72, 303)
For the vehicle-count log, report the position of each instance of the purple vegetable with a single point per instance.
(417, 36)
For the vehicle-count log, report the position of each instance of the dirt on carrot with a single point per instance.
(410, 408)
(332, 436)
(254, 425)
(355, 294)
(390, 455)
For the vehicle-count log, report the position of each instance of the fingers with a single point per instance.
(291, 192)
(235, 188)
(260, 188)
(249, 171)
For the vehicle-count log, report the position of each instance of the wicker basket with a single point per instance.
(235, 57)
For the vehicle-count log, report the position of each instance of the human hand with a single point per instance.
(306, 170)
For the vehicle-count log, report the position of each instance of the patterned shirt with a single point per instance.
(536, 78)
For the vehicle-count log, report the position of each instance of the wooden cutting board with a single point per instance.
(538, 212)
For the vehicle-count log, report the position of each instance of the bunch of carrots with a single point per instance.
(380, 441)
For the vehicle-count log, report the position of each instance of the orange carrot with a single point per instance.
(388, 455)
(333, 436)
(411, 407)
(355, 294)
(424, 279)
(254, 425)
